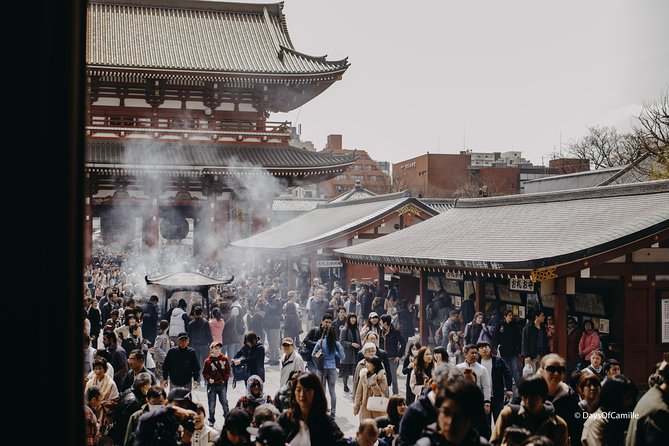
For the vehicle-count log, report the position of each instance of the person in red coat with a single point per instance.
(573, 338)
(216, 372)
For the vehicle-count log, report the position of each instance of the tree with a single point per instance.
(604, 147)
(650, 135)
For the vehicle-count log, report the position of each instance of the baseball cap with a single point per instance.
(287, 340)
(214, 344)
(269, 433)
(183, 334)
(373, 314)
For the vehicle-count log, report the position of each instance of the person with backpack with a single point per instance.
(179, 320)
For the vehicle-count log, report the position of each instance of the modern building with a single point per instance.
(178, 131)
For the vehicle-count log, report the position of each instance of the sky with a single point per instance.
(439, 76)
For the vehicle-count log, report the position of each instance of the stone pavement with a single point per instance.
(347, 422)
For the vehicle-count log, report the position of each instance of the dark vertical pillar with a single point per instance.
(560, 309)
(423, 326)
(479, 294)
(382, 276)
(88, 231)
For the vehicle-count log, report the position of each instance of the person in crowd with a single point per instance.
(202, 435)
(397, 406)
(119, 359)
(269, 433)
(535, 413)
(330, 348)
(459, 409)
(366, 298)
(617, 396)
(307, 421)
(455, 348)
(650, 424)
(386, 431)
(136, 363)
(550, 333)
(252, 354)
(318, 307)
(134, 339)
(104, 354)
(272, 325)
(421, 374)
(588, 388)
(199, 334)
(440, 355)
(161, 426)
(405, 320)
(589, 342)
(423, 412)
(108, 391)
(515, 436)
(468, 309)
(313, 336)
(155, 397)
(611, 368)
(150, 319)
(477, 330)
(510, 338)
(349, 337)
(367, 433)
(282, 396)
(91, 423)
(596, 364)
(89, 355)
(216, 373)
(178, 320)
(382, 354)
(95, 318)
(292, 327)
(449, 325)
(500, 377)
(130, 402)
(160, 347)
(255, 395)
(392, 341)
(340, 321)
(563, 397)
(353, 306)
(407, 368)
(372, 325)
(483, 378)
(231, 337)
(290, 361)
(181, 367)
(372, 383)
(216, 325)
(534, 344)
(235, 429)
(378, 305)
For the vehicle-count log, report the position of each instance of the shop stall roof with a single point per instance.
(525, 232)
(187, 280)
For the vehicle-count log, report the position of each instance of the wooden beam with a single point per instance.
(629, 269)
(560, 316)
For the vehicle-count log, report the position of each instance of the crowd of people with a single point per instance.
(143, 361)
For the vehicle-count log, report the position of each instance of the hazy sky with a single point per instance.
(440, 75)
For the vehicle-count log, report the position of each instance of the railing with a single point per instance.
(158, 126)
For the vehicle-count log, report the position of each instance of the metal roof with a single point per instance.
(440, 205)
(329, 221)
(198, 157)
(296, 204)
(196, 35)
(358, 192)
(185, 279)
(525, 232)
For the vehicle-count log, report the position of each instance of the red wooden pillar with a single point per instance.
(560, 309)
(479, 294)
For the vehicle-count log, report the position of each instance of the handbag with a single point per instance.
(318, 358)
(239, 373)
(377, 403)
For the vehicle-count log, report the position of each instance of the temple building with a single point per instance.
(178, 136)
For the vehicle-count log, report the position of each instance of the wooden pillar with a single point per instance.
(151, 226)
(560, 309)
(423, 328)
(479, 294)
(382, 276)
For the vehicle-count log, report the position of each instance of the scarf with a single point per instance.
(249, 382)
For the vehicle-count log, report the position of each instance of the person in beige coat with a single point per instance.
(372, 382)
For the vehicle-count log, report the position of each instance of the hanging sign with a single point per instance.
(454, 275)
(405, 270)
(328, 264)
(521, 284)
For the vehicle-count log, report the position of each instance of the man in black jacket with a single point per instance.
(392, 341)
(535, 342)
(509, 338)
(150, 320)
(181, 368)
(309, 342)
(500, 377)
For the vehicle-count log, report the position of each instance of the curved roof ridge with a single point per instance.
(321, 59)
(649, 187)
(377, 198)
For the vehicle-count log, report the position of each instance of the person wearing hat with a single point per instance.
(234, 428)
(372, 324)
(181, 368)
(291, 361)
(216, 372)
(269, 433)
